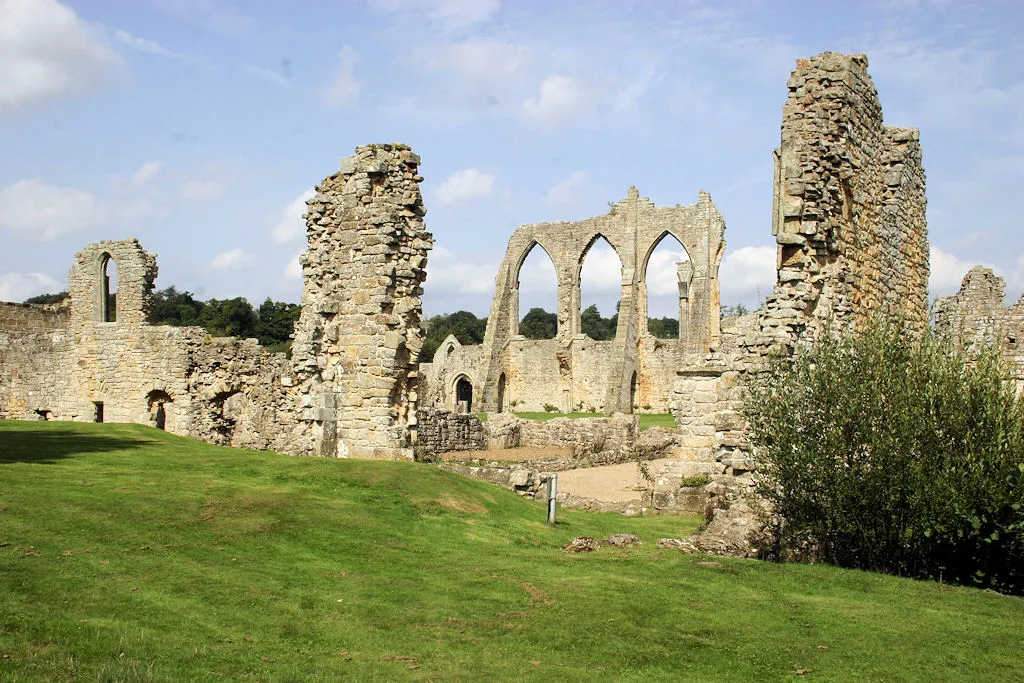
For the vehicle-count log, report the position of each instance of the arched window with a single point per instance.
(108, 289)
(600, 289)
(667, 276)
(538, 295)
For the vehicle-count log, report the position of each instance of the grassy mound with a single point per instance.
(128, 553)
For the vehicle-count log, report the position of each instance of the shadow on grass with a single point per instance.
(30, 445)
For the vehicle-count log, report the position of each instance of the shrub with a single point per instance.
(548, 408)
(897, 454)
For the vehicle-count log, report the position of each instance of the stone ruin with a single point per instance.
(977, 315)
(349, 388)
(572, 370)
(849, 222)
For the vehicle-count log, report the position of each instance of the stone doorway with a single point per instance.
(464, 394)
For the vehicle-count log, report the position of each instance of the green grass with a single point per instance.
(645, 420)
(130, 554)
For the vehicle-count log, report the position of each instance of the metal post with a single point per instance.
(552, 494)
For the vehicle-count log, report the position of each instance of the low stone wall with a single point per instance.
(443, 431)
(592, 441)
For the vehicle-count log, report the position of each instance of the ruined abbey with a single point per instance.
(849, 223)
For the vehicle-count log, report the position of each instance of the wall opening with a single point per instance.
(501, 393)
(97, 415)
(600, 278)
(464, 394)
(157, 401)
(537, 288)
(632, 393)
(667, 275)
(108, 289)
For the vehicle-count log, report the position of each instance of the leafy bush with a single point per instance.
(897, 454)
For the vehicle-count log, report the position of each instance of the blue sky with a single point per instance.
(200, 126)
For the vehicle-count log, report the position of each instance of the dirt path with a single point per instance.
(608, 483)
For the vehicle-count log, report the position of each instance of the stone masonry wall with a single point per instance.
(849, 221)
(977, 315)
(34, 361)
(443, 431)
(359, 335)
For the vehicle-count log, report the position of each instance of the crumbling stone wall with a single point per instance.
(33, 361)
(573, 370)
(849, 221)
(351, 387)
(977, 315)
(358, 337)
(849, 214)
(443, 431)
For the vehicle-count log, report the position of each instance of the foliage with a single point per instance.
(272, 324)
(596, 327)
(737, 310)
(466, 327)
(41, 299)
(539, 324)
(663, 328)
(132, 554)
(548, 408)
(899, 455)
(695, 481)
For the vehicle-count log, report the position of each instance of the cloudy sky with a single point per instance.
(201, 126)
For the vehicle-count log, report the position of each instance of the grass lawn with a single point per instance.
(130, 554)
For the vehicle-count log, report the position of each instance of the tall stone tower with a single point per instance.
(359, 334)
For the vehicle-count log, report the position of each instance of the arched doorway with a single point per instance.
(501, 393)
(464, 393)
(157, 401)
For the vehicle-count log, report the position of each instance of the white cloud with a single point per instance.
(484, 60)
(20, 286)
(200, 190)
(747, 275)
(136, 43)
(465, 185)
(293, 270)
(343, 90)
(47, 53)
(270, 75)
(947, 272)
(560, 97)
(601, 272)
(146, 173)
(45, 212)
(662, 269)
(234, 259)
(570, 190)
(291, 225)
(447, 274)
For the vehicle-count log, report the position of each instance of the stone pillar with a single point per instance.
(359, 335)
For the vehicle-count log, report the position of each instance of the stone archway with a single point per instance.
(157, 401)
(464, 393)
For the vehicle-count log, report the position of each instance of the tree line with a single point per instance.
(271, 323)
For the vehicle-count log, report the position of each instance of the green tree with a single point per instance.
(275, 324)
(229, 318)
(663, 328)
(466, 327)
(896, 454)
(597, 327)
(47, 298)
(171, 307)
(539, 324)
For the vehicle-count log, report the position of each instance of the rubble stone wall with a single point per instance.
(351, 387)
(358, 337)
(444, 431)
(977, 315)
